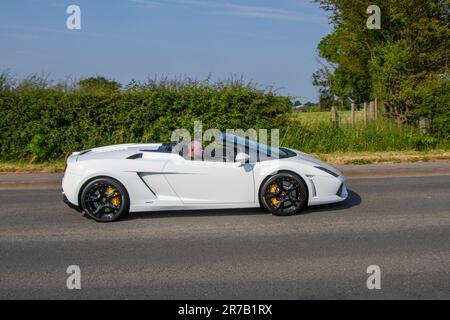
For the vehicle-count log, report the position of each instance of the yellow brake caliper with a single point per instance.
(114, 201)
(273, 188)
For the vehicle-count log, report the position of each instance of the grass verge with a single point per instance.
(384, 157)
(24, 167)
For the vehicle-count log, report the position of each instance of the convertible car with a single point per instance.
(109, 182)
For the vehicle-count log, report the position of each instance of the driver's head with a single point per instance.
(195, 150)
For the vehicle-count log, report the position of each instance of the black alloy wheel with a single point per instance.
(284, 194)
(105, 200)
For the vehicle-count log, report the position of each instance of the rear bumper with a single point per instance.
(70, 204)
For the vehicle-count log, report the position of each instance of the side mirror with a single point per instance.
(242, 157)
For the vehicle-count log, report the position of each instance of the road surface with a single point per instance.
(400, 224)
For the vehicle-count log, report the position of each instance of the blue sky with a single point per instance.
(272, 43)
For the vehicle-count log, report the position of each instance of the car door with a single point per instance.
(210, 182)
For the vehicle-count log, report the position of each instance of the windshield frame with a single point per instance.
(255, 149)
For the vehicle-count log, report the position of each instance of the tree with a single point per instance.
(98, 84)
(297, 103)
(409, 53)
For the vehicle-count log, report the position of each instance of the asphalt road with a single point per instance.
(400, 224)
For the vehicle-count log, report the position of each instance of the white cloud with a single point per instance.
(147, 4)
(228, 8)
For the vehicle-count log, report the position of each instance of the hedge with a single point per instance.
(49, 124)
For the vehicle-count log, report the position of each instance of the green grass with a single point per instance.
(359, 161)
(313, 132)
(25, 166)
(385, 156)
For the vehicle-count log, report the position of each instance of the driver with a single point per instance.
(195, 150)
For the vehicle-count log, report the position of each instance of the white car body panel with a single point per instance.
(203, 182)
(166, 181)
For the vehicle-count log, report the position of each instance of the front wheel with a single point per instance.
(105, 200)
(283, 194)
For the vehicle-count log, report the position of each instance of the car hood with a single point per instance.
(305, 157)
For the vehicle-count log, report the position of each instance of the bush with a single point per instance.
(432, 98)
(47, 124)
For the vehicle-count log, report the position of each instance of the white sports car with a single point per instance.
(108, 182)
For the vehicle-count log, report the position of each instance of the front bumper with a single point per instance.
(327, 189)
(70, 204)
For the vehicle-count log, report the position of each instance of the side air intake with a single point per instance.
(135, 156)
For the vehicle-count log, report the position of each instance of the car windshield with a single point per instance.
(260, 150)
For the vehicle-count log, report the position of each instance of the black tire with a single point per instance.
(105, 200)
(283, 194)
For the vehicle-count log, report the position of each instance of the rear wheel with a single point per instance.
(105, 200)
(284, 194)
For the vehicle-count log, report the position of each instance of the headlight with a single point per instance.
(328, 171)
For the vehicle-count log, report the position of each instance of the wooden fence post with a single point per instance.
(376, 108)
(334, 116)
(372, 110)
(353, 115)
(365, 113)
(424, 124)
